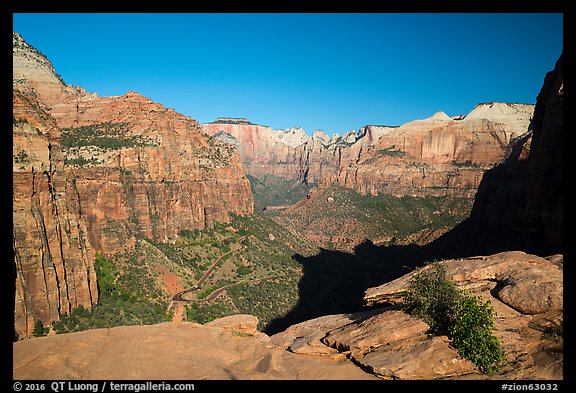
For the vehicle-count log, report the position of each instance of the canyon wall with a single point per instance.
(289, 153)
(91, 173)
(53, 258)
(439, 155)
(430, 157)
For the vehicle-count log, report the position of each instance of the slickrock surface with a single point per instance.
(228, 348)
(526, 293)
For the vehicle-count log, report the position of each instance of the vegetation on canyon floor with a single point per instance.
(338, 215)
(260, 265)
(272, 191)
(256, 274)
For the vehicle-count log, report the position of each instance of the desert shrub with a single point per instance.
(466, 319)
(22, 157)
(432, 297)
(39, 329)
(471, 333)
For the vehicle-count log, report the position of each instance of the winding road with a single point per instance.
(178, 296)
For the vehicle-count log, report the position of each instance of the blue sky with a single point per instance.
(334, 72)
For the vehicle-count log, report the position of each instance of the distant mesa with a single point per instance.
(231, 120)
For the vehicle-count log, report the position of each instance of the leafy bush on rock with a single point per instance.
(466, 319)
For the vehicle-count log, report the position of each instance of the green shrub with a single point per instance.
(39, 329)
(22, 157)
(466, 319)
(105, 273)
(432, 297)
(471, 333)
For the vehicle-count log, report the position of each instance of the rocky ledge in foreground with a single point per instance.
(524, 290)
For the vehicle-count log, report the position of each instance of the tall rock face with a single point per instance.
(439, 155)
(53, 258)
(147, 169)
(291, 153)
(91, 172)
(430, 157)
(524, 195)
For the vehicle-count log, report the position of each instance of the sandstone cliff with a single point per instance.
(434, 156)
(52, 254)
(291, 153)
(91, 172)
(438, 155)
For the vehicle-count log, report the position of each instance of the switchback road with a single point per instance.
(178, 296)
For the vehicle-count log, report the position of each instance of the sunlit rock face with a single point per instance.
(90, 172)
(435, 156)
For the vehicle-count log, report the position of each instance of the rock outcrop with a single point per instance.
(382, 342)
(523, 197)
(526, 293)
(91, 172)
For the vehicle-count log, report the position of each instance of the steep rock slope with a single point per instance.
(52, 254)
(290, 153)
(118, 166)
(438, 155)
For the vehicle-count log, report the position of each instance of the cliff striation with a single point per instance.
(52, 255)
(105, 169)
(430, 157)
(439, 155)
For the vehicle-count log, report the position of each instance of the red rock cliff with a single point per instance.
(90, 172)
(435, 156)
(52, 255)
